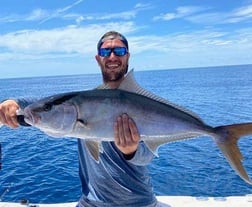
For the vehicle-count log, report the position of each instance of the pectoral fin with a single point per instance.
(155, 143)
(93, 148)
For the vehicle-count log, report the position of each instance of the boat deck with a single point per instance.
(167, 201)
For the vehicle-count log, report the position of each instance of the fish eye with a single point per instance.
(47, 107)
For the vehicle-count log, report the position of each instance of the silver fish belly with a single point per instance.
(91, 114)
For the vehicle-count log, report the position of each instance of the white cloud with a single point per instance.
(61, 11)
(41, 15)
(181, 12)
(245, 11)
(204, 15)
(189, 10)
(38, 14)
(209, 18)
(141, 5)
(121, 15)
(192, 49)
(124, 15)
(240, 14)
(166, 17)
(69, 40)
(35, 15)
(200, 47)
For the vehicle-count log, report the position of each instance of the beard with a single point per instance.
(114, 75)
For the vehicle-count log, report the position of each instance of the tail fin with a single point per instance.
(227, 142)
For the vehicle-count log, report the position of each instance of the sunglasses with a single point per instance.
(118, 51)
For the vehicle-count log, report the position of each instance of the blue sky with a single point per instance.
(58, 37)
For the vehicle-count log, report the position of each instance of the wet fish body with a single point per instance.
(91, 114)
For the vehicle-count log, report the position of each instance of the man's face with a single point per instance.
(113, 67)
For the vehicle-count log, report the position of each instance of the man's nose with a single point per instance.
(112, 55)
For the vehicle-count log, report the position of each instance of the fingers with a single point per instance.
(12, 122)
(126, 134)
(122, 131)
(8, 113)
(134, 131)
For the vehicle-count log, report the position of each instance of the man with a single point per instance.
(120, 178)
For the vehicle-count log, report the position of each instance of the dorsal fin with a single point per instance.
(129, 84)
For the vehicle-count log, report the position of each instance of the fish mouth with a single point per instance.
(30, 117)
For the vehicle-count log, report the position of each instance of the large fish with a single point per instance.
(91, 114)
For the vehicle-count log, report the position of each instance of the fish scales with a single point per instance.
(155, 119)
(91, 114)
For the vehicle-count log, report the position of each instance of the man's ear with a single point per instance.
(97, 57)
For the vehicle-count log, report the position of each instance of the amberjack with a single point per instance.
(91, 115)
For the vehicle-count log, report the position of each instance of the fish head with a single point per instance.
(56, 116)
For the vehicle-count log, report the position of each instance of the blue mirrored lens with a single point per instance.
(104, 52)
(118, 51)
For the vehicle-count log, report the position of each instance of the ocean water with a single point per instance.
(45, 169)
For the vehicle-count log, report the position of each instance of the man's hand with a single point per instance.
(126, 135)
(8, 114)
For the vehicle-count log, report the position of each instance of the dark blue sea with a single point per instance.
(45, 169)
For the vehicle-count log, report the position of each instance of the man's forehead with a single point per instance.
(109, 42)
(111, 37)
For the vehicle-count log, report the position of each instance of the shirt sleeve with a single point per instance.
(143, 155)
(23, 102)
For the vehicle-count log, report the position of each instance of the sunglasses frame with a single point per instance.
(118, 51)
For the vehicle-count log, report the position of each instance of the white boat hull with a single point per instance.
(170, 201)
